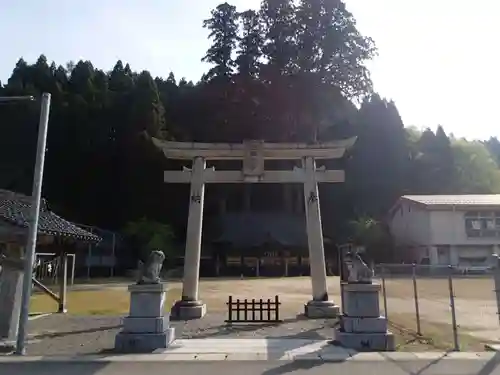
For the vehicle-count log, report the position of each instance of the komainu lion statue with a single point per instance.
(359, 272)
(149, 272)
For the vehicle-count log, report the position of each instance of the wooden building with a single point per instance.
(54, 232)
(249, 236)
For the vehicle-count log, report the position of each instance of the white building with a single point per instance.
(462, 230)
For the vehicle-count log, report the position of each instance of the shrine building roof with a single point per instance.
(15, 209)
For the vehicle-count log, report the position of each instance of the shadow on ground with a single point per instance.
(50, 368)
(301, 362)
(75, 332)
(230, 329)
(76, 335)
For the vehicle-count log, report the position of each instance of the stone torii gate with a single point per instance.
(254, 153)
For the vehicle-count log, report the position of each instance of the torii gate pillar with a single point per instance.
(189, 306)
(320, 306)
(253, 154)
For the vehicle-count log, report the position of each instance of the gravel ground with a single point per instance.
(72, 335)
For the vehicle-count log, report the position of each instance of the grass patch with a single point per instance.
(93, 302)
(435, 336)
(293, 293)
(437, 288)
(109, 302)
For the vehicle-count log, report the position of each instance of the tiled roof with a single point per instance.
(455, 200)
(15, 209)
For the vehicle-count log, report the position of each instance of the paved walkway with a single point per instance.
(277, 358)
(257, 356)
(256, 350)
(481, 366)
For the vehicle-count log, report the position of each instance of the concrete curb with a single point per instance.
(325, 357)
(38, 316)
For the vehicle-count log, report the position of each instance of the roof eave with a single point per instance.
(460, 207)
(89, 238)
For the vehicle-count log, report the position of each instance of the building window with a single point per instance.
(443, 250)
(473, 262)
(482, 224)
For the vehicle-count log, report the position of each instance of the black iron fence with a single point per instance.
(253, 311)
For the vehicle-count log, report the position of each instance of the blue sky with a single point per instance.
(436, 58)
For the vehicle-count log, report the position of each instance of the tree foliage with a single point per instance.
(365, 231)
(150, 235)
(289, 71)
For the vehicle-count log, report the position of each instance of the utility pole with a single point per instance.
(29, 253)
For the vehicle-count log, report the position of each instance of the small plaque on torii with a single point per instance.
(253, 162)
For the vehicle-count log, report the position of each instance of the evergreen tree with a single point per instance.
(380, 157)
(250, 44)
(224, 33)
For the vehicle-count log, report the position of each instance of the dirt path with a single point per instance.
(476, 310)
(89, 332)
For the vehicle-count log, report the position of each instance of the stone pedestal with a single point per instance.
(188, 310)
(147, 327)
(321, 310)
(11, 281)
(362, 327)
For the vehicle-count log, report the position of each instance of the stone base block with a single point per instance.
(361, 300)
(7, 346)
(366, 341)
(188, 310)
(147, 300)
(11, 281)
(126, 342)
(321, 309)
(146, 325)
(364, 325)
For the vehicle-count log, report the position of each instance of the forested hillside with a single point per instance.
(291, 71)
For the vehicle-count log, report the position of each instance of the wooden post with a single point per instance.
(276, 306)
(230, 309)
(63, 279)
(268, 310)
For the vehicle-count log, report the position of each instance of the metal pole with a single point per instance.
(339, 260)
(73, 265)
(113, 244)
(33, 224)
(342, 276)
(415, 295)
(496, 279)
(452, 306)
(384, 293)
(89, 256)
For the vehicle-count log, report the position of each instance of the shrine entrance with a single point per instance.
(253, 153)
